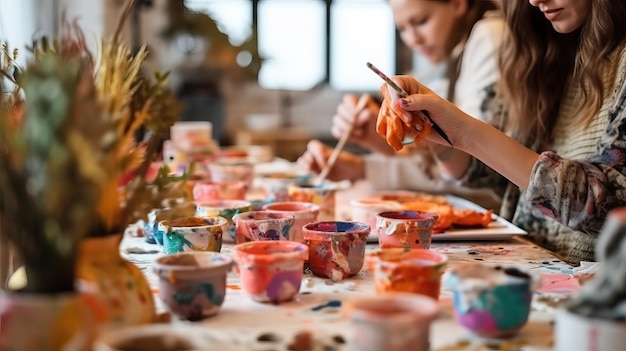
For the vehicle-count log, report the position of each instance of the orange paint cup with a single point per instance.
(415, 271)
(271, 271)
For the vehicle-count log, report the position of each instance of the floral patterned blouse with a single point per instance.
(576, 182)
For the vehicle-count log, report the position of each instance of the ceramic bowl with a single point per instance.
(262, 225)
(304, 212)
(416, 271)
(408, 229)
(226, 209)
(270, 271)
(336, 248)
(490, 301)
(322, 195)
(157, 215)
(391, 322)
(193, 284)
(193, 234)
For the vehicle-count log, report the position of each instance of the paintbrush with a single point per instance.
(402, 93)
(360, 106)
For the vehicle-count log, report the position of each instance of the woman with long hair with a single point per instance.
(465, 36)
(558, 130)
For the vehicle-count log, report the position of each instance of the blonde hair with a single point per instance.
(536, 63)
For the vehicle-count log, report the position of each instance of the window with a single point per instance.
(307, 42)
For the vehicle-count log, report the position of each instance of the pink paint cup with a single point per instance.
(393, 322)
(415, 271)
(336, 249)
(408, 229)
(262, 225)
(206, 191)
(304, 213)
(270, 271)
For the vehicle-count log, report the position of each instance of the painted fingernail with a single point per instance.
(404, 102)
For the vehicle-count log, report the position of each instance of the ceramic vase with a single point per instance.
(120, 285)
(47, 322)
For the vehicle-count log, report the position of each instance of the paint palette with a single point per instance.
(498, 229)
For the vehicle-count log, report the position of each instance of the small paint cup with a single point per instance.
(155, 216)
(304, 213)
(322, 195)
(576, 332)
(226, 209)
(490, 301)
(399, 322)
(407, 229)
(336, 249)
(193, 284)
(193, 234)
(365, 210)
(223, 170)
(416, 271)
(276, 185)
(271, 271)
(205, 191)
(262, 225)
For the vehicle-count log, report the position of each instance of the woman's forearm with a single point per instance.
(500, 152)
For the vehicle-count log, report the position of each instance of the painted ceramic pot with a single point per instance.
(407, 229)
(276, 185)
(155, 216)
(271, 271)
(226, 209)
(206, 191)
(119, 283)
(336, 249)
(193, 284)
(365, 209)
(231, 171)
(262, 225)
(192, 135)
(490, 301)
(415, 271)
(193, 234)
(33, 322)
(304, 212)
(396, 322)
(576, 332)
(322, 195)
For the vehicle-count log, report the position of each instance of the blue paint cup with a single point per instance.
(490, 301)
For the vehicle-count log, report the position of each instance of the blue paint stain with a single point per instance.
(329, 304)
(204, 288)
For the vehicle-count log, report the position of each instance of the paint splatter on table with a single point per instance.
(317, 308)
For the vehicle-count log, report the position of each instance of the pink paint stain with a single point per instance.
(558, 283)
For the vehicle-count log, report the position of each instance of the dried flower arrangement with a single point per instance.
(70, 166)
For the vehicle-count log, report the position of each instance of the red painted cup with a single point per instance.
(336, 248)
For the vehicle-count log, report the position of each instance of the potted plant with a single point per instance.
(122, 102)
(50, 176)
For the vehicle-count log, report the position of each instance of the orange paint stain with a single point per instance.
(233, 287)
